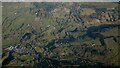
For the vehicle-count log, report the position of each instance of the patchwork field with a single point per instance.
(60, 34)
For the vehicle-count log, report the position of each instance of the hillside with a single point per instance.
(64, 34)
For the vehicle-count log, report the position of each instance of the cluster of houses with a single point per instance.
(21, 49)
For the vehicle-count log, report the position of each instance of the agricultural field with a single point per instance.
(58, 34)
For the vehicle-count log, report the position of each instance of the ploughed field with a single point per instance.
(60, 34)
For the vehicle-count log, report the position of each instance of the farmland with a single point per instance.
(60, 34)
